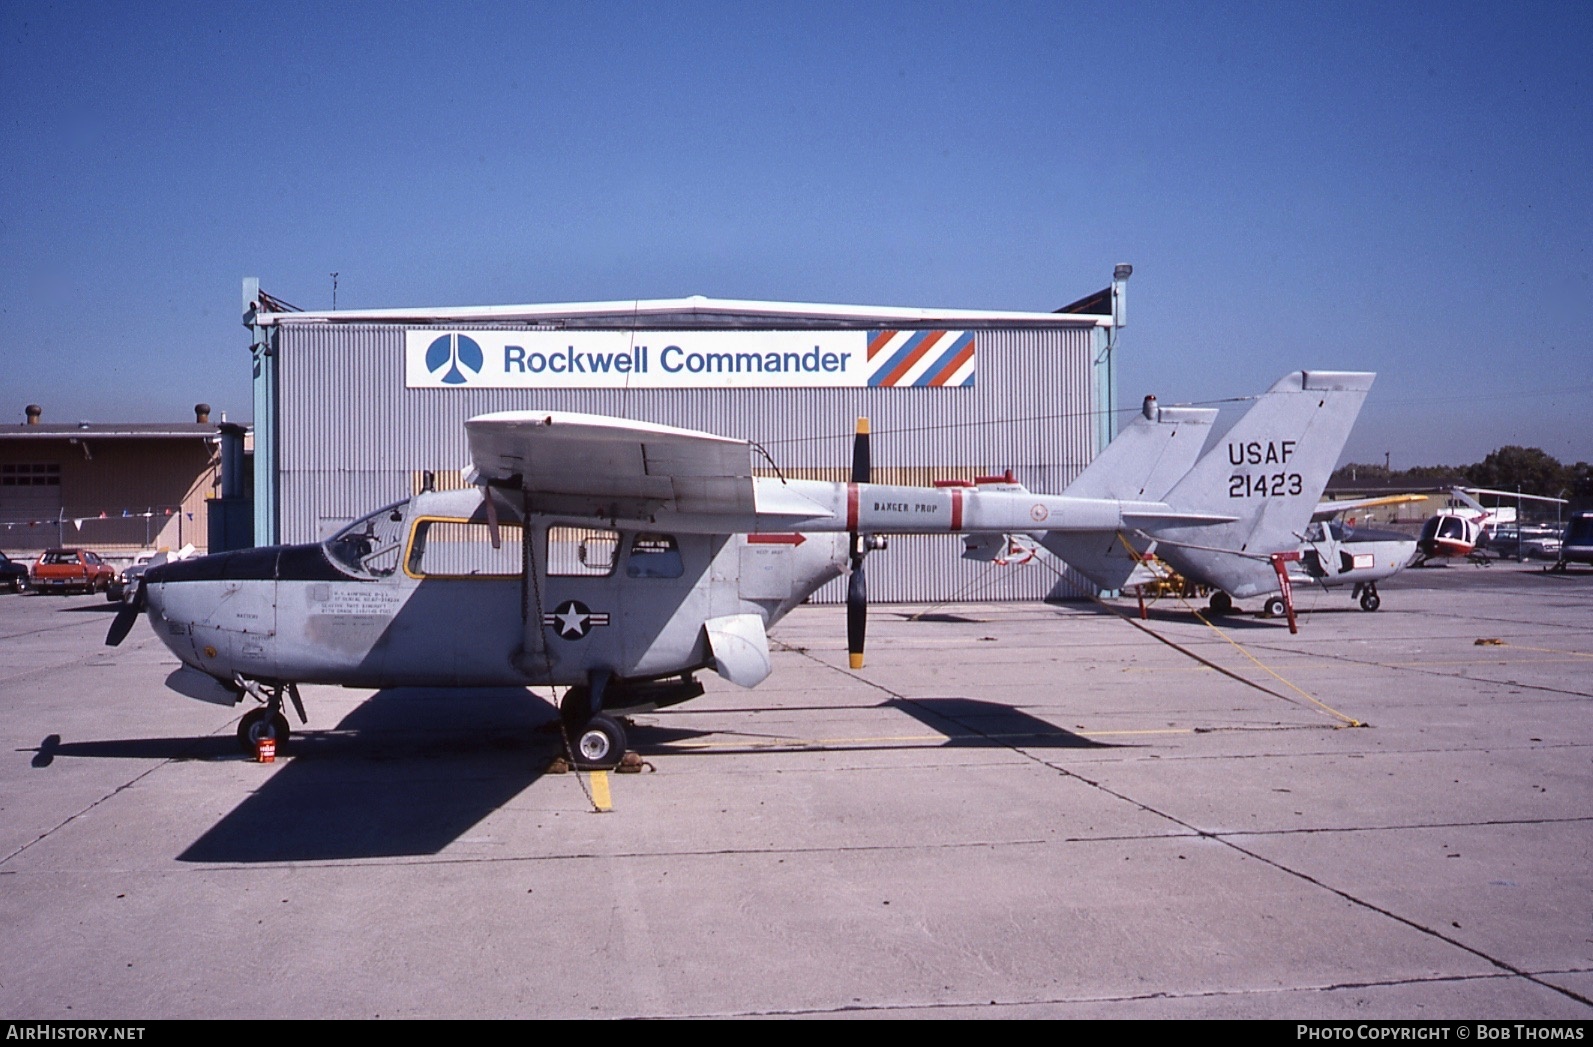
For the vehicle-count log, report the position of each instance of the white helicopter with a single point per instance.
(617, 558)
(1456, 532)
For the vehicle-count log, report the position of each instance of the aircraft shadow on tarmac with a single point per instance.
(1234, 620)
(410, 771)
(971, 723)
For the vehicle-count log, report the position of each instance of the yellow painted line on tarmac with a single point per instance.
(908, 739)
(1125, 734)
(1551, 650)
(810, 743)
(601, 799)
(1426, 663)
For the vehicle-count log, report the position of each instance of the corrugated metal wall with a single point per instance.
(353, 436)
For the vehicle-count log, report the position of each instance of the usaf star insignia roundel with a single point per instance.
(572, 619)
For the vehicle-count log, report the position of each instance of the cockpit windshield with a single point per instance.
(1319, 532)
(373, 545)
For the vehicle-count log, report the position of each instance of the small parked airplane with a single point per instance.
(617, 558)
(1334, 555)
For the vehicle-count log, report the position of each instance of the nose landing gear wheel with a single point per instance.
(260, 724)
(1370, 601)
(599, 744)
(1274, 607)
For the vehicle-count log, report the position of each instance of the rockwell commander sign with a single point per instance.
(437, 359)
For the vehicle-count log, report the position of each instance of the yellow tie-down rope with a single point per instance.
(1347, 721)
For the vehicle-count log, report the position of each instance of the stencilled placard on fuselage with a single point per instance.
(354, 601)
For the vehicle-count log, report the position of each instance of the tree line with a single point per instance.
(1530, 470)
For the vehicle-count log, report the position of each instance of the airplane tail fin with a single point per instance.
(1269, 471)
(1143, 463)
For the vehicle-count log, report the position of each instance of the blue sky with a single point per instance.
(1393, 187)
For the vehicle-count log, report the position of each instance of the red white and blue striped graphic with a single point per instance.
(921, 358)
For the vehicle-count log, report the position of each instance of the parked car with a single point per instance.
(126, 580)
(65, 570)
(126, 584)
(13, 575)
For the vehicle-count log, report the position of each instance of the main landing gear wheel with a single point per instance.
(1370, 601)
(259, 724)
(1274, 607)
(599, 744)
(1221, 602)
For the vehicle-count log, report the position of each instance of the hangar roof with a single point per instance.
(693, 312)
(111, 430)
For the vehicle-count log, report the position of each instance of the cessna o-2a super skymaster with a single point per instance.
(616, 558)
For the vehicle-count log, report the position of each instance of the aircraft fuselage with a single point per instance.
(417, 594)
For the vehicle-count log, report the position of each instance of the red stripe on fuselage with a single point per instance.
(956, 508)
(851, 507)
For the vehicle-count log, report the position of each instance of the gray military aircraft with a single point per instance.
(618, 558)
(1269, 472)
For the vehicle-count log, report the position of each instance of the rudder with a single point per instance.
(1269, 470)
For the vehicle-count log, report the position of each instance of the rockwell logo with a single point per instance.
(458, 353)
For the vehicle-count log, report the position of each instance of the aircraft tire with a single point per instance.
(258, 724)
(1221, 602)
(600, 744)
(1274, 607)
(1370, 601)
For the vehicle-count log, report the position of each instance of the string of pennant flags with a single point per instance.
(156, 512)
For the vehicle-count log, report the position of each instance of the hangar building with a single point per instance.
(112, 487)
(353, 408)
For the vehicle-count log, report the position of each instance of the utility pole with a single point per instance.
(334, 292)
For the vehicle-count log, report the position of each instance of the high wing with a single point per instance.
(1328, 510)
(591, 459)
(620, 469)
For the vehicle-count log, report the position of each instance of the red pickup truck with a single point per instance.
(63, 570)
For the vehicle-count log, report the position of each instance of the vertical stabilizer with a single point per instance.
(1269, 470)
(1148, 457)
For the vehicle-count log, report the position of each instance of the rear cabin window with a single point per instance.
(654, 556)
(581, 552)
(459, 549)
